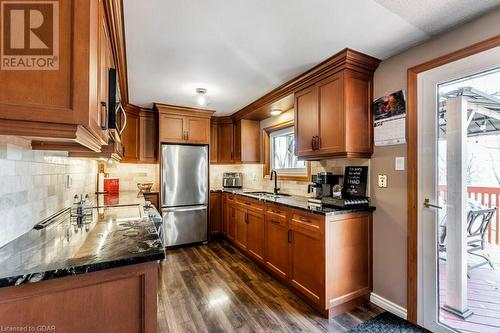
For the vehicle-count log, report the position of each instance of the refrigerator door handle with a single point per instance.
(183, 209)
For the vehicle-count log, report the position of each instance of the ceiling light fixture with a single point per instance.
(275, 112)
(201, 96)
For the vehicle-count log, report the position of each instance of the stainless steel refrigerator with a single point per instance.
(184, 193)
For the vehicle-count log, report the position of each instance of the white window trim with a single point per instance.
(287, 171)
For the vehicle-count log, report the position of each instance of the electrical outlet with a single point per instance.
(69, 181)
(382, 181)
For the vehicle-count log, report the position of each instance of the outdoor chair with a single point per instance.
(478, 220)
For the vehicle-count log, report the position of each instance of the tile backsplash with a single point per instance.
(253, 179)
(33, 184)
(131, 174)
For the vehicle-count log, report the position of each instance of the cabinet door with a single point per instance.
(331, 115)
(226, 143)
(215, 222)
(213, 142)
(307, 262)
(241, 219)
(149, 144)
(255, 235)
(130, 139)
(225, 212)
(197, 130)
(231, 228)
(306, 121)
(277, 246)
(171, 128)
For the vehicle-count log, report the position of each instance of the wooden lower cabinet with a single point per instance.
(276, 244)
(122, 299)
(240, 222)
(215, 214)
(326, 259)
(255, 235)
(307, 260)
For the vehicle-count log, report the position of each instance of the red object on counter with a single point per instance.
(111, 185)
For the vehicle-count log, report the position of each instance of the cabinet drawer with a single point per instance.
(307, 220)
(276, 212)
(252, 204)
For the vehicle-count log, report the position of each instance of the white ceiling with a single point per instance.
(239, 49)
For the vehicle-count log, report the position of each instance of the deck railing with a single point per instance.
(488, 196)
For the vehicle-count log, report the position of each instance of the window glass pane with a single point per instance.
(282, 152)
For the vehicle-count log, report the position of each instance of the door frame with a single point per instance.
(412, 156)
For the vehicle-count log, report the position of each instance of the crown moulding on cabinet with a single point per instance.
(282, 97)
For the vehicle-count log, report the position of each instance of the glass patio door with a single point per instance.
(449, 115)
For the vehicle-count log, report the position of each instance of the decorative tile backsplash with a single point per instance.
(252, 175)
(131, 174)
(33, 184)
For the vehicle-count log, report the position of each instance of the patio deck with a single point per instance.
(484, 296)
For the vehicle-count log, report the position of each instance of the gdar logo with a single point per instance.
(30, 35)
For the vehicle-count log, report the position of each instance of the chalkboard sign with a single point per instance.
(355, 181)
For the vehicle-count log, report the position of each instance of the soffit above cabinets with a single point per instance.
(240, 50)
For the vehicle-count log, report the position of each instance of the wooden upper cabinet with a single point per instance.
(306, 121)
(183, 125)
(247, 141)
(139, 138)
(236, 142)
(213, 142)
(148, 134)
(172, 128)
(225, 140)
(333, 116)
(63, 104)
(130, 138)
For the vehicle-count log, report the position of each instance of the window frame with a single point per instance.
(266, 141)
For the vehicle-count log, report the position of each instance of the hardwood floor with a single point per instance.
(214, 288)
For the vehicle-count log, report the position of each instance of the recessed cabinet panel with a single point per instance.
(277, 246)
(226, 143)
(171, 128)
(255, 235)
(331, 129)
(197, 130)
(306, 121)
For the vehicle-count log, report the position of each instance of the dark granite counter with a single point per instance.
(113, 237)
(294, 201)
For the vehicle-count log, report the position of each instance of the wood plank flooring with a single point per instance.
(214, 288)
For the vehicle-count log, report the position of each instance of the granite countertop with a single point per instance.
(294, 201)
(115, 236)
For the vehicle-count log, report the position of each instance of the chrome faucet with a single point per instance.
(276, 189)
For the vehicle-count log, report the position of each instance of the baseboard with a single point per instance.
(388, 306)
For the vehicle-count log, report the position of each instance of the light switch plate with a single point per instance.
(69, 181)
(399, 163)
(382, 181)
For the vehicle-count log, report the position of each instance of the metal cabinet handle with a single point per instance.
(303, 219)
(276, 211)
(120, 108)
(248, 203)
(290, 235)
(429, 205)
(318, 142)
(275, 221)
(312, 143)
(103, 116)
(246, 218)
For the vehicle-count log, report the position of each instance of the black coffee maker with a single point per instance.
(323, 183)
